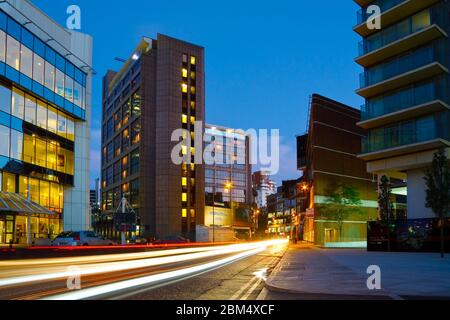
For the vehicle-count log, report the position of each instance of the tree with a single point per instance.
(437, 180)
(385, 206)
(341, 203)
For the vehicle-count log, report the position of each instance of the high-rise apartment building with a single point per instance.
(45, 110)
(160, 89)
(263, 187)
(406, 87)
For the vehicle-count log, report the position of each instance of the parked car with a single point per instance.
(172, 240)
(81, 238)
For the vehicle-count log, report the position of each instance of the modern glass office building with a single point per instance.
(228, 182)
(406, 87)
(44, 125)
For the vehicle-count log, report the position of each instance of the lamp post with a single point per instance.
(229, 186)
(214, 208)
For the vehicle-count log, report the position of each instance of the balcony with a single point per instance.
(407, 102)
(407, 137)
(405, 114)
(416, 75)
(404, 44)
(406, 149)
(409, 68)
(412, 32)
(391, 12)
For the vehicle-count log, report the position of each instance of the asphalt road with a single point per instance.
(230, 272)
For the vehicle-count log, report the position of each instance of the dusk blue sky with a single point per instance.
(263, 58)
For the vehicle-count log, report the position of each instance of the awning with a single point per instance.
(16, 203)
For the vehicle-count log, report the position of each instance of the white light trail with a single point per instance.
(153, 279)
(60, 272)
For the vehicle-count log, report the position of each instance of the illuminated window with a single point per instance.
(185, 58)
(184, 119)
(184, 150)
(193, 60)
(192, 120)
(184, 182)
(184, 73)
(184, 88)
(9, 183)
(192, 167)
(38, 69)
(13, 53)
(192, 213)
(192, 150)
(193, 90)
(26, 61)
(193, 105)
(184, 213)
(184, 197)
(193, 75)
(2, 45)
(18, 103)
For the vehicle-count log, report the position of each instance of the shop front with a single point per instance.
(15, 210)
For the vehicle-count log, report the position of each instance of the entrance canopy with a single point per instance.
(16, 203)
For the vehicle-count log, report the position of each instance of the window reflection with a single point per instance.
(26, 61)
(13, 52)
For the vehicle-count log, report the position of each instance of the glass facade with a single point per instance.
(413, 93)
(35, 66)
(226, 174)
(42, 95)
(398, 31)
(399, 65)
(406, 97)
(408, 132)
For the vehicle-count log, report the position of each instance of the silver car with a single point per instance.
(81, 238)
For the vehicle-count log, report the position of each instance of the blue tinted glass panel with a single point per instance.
(16, 124)
(60, 63)
(2, 68)
(25, 81)
(68, 106)
(70, 69)
(12, 74)
(3, 20)
(78, 76)
(5, 119)
(27, 38)
(49, 95)
(50, 55)
(59, 100)
(3, 162)
(14, 29)
(39, 47)
(38, 88)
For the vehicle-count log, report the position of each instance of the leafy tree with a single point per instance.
(343, 202)
(385, 206)
(438, 190)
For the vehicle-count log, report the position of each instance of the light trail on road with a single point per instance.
(43, 270)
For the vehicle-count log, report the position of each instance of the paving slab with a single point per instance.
(308, 270)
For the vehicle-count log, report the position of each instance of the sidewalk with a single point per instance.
(306, 269)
